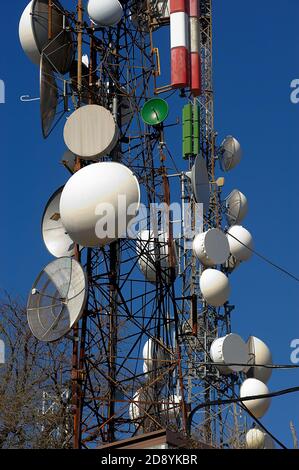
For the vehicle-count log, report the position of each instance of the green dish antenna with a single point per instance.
(155, 111)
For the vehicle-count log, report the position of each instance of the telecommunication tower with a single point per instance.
(148, 316)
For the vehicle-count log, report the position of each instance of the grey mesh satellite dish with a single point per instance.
(34, 34)
(57, 299)
(57, 241)
(49, 96)
(200, 183)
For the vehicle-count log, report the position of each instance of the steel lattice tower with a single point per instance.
(113, 397)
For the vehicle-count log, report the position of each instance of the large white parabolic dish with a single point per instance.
(154, 355)
(141, 404)
(34, 38)
(230, 351)
(211, 247)
(90, 132)
(252, 388)
(240, 242)
(200, 183)
(215, 287)
(57, 299)
(98, 202)
(57, 241)
(171, 406)
(150, 252)
(105, 12)
(261, 355)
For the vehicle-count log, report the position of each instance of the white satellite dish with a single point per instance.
(91, 132)
(211, 247)
(150, 252)
(230, 349)
(91, 209)
(215, 287)
(171, 407)
(155, 355)
(240, 242)
(34, 35)
(57, 299)
(135, 407)
(255, 439)
(141, 404)
(200, 183)
(105, 12)
(49, 96)
(231, 153)
(251, 388)
(236, 207)
(57, 241)
(261, 355)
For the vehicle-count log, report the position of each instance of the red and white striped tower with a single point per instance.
(195, 59)
(179, 39)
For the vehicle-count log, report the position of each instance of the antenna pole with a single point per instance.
(50, 19)
(80, 27)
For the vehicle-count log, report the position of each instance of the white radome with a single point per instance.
(236, 207)
(154, 354)
(96, 198)
(134, 408)
(105, 12)
(261, 355)
(57, 242)
(231, 153)
(147, 255)
(230, 349)
(34, 36)
(255, 439)
(26, 35)
(251, 388)
(215, 287)
(240, 242)
(211, 247)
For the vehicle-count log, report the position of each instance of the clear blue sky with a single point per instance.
(255, 55)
